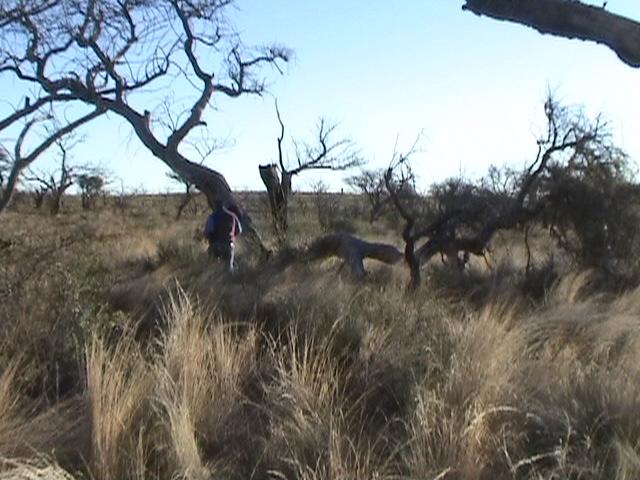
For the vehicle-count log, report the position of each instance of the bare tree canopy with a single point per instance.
(370, 183)
(20, 160)
(324, 153)
(462, 218)
(54, 184)
(104, 55)
(570, 19)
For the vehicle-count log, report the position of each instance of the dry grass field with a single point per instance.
(125, 353)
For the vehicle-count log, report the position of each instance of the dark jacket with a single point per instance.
(221, 227)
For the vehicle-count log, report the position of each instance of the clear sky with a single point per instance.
(386, 70)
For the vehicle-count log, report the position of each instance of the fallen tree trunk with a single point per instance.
(569, 19)
(353, 251)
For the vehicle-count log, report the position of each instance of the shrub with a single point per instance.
(592, 208)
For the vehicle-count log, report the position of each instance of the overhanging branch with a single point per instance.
(570, 19)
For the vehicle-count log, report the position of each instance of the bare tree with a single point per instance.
(324, 153)
(53, 185)
(122, 199)
(370, 183)
(100, 54)
(570, 19)
(466, 227)
(21, 160)
(39, 193)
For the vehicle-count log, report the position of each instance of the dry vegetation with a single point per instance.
(124, 353)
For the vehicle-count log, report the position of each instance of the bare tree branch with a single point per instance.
(240, 70)
(20, 161)
(327, 154)
(31, 107)
(468, 225)
(98, 52)
(570, 19)
(54, 184)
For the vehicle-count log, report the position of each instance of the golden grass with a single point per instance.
(10, 414)
(199, 374)
(304, 373)
(118, 382)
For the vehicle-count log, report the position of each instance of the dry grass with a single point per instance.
(199, 373)
(10, 414)
(125, 354)
(118, 382)
(34, 469)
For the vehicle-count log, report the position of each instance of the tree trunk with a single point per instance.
(208, 181)
(278, 191)
(7, 193)
(353, 251)
(56, 200)
(185, 201)
(38, 198)
(414, 264)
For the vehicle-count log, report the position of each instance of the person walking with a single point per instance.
(221, 229)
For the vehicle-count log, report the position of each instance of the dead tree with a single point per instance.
(353, 251)
(122, 200)
(570, 19)
(371, 184)
(323, 154)
(39, 194)
(397, 177)
(350, 249)
(19, 160)
(53, 185)
(188, 193)
(466, 228)
(88, 53)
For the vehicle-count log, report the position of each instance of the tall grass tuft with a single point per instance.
(11, 416)
(199, 372)
(118, 382)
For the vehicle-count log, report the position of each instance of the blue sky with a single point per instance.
(384, 70)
